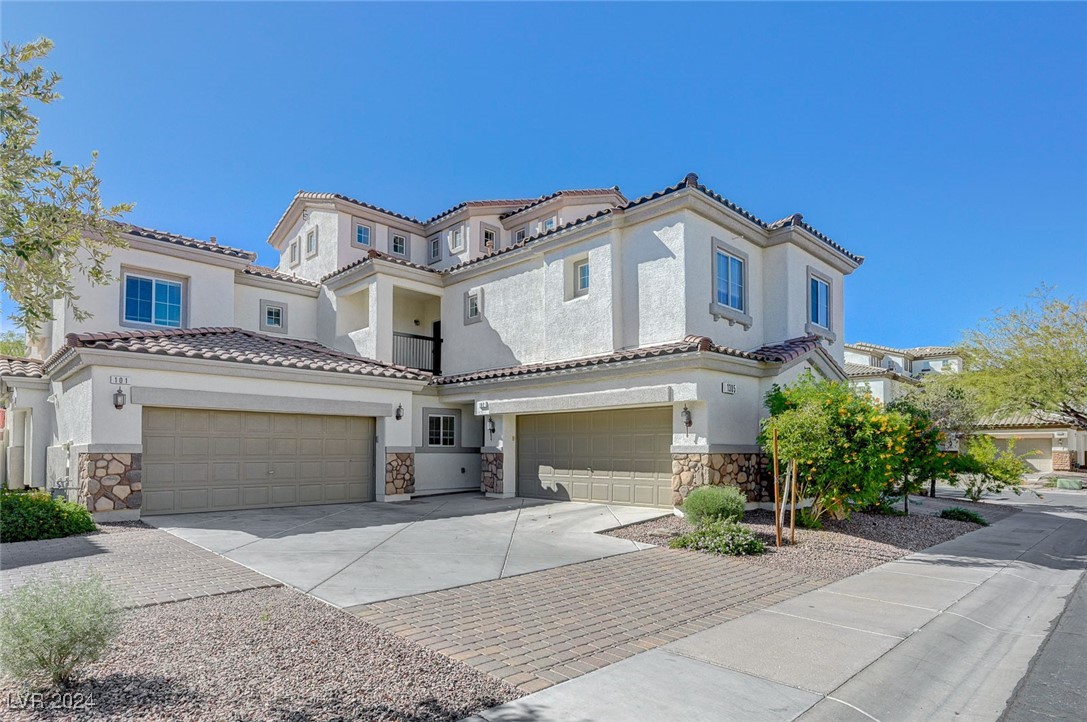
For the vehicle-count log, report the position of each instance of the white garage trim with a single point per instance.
(185, 399)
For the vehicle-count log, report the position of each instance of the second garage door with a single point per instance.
(200, 460)
(615, 457)
(1038, 452)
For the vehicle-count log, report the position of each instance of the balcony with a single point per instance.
(418, 352)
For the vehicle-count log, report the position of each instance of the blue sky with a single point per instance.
(947, 143)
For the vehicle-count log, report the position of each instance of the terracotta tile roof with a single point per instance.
(922, 351)
(308, 195)
(510, 203)
(372, 254)
(235, 345)
(854, 371)
(265, 272)
(774, 353)
(915, 352)
(574, 193)
(178, 240)
(1016, 421)
(26, 368)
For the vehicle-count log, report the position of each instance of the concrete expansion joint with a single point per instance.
(839, 626)
(852, 707)
(994, 629)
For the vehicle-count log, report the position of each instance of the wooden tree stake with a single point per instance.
(777, 494)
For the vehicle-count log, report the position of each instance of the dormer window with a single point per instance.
(549, 224)
(311, 242)
(362, 235)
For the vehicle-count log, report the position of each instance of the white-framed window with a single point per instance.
(456, 239)
(311, 242)
(152, 301)
(819, 302)
(441, 430)
(398, 245)
(363, 235)
(273, 316)
(730, 280)
(520, 234)
(581, 278)
(490, 239)
(473, 306)
(549, 224)
(435, 246)
(293, 253)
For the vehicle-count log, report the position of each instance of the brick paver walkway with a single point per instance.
(540, 629)
(146, 566)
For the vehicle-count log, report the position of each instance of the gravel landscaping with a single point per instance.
(268, 654)
(839, 550)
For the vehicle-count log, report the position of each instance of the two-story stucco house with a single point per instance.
(578, 346)
(888, 373)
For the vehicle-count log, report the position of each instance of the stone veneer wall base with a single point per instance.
(399, 473)
(111, 482)
(750, 472)
(491, 477)
(1062, 460)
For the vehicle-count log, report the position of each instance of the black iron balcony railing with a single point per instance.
(417, 352)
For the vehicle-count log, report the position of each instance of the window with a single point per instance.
(436, 248)
(294, 253)
(520, 235)
(154, 301)
(549, 224)
(273, 316)
(456, 239)
(311, 242)
(362, 234)
(581, 278)
(490, 239)
(820, 303)
(730, 281)
(399, 244)
(473, 306)
(441, 430)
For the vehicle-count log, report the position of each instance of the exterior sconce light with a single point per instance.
(490, 427)
(119, 399)
(399, 411)
(685, 415)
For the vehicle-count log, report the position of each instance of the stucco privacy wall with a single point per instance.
(301, 310)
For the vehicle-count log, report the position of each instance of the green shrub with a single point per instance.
(957, 513)
(806, 520)
(707, 503)
(32, 515)
(49, 628)
(720, 537)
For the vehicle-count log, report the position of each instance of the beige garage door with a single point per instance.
(196, 460)
(616, 457)
(1038, 452)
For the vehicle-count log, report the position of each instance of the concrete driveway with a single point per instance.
(351, 554)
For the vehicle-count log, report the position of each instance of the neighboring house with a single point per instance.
(1046, 442)
(889, 373)
(575, 346)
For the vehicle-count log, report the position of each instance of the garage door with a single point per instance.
(1038, 452)
(616, 457)
(196, 460)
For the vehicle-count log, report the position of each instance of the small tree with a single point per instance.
(923, 459)
(952, 406)
(985, 469)
(54, 224)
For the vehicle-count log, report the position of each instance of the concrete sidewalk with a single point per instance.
(947, 633)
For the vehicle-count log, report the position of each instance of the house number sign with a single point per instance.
(728, 388)
(118, 380)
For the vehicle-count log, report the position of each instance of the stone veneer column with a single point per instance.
(399, 473)
(748, 471)
(111, 482)
(492, 473)
(1062, 460)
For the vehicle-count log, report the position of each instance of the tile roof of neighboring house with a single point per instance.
(577, 192)
(512, 202)
(861, 371)
(1015, 421)
(372, 254)
(773, 353)
(179, 240)
(922, 351)
(235, 345)
(265, 272)
(26, 368)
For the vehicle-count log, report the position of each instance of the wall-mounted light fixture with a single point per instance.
(490, 426)
(119, 399)
(685, 415)
(399, 411)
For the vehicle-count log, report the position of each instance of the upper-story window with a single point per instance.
(819, 303)
(730, 297)
(456, 239)
(473, 306)
(362, 234)
(549, 224)
(581, 278)
(273, 316)
(311, 242)
(520, 234)
(490, 239)
(293, 253)
(398, 244)
(152, 301)
(435, 246)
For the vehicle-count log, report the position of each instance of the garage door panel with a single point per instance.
(618, 457)
(203, 460)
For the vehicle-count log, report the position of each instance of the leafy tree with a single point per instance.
(985, 469)
(923, 459)
(951, 405)
(53, 222)
(1032, 358)
(12, 343)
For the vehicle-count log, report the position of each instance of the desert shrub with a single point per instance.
(957, 513)
(982, 468)
(32, 515)
(806, 520)
(720, 537)
(49, 628)
(707, 503)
